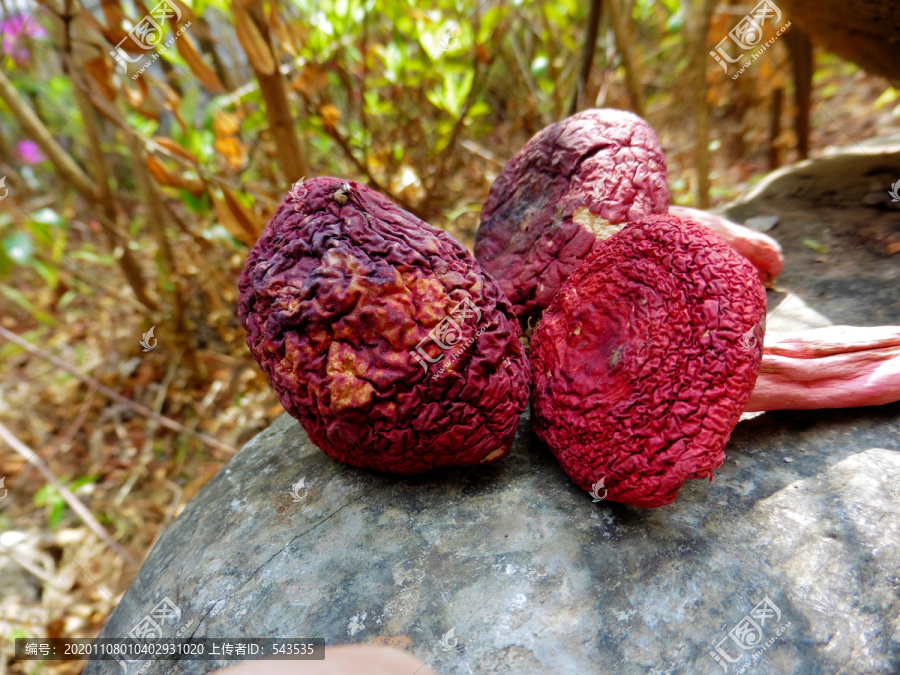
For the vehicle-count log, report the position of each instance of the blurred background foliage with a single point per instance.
(130, 203)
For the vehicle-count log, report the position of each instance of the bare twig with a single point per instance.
(106, 391)
(72, 429)
(587, 55)
(801, 55)
(526, 72)
(152, 426)
(702, 11)
(775, 128)
(620, 25)
(364, 170)
(83, 512)
(282, 125)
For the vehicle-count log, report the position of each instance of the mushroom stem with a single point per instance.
(833, 367)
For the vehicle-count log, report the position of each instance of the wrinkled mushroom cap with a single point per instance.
(569, 188)
(643, 363)
(346, 298)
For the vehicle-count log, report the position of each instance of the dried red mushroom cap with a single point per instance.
(338, 298)
(643, 363)
(760, 249)
(570, 187)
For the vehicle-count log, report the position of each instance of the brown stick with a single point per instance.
(620, 25)
(775, 128)
(83, 512)
(587, 55)
(370, 179)
(106, 391)
(834, 367)
(283, 127)
(702, 13)
(801, 55)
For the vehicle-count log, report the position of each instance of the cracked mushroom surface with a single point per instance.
(573, 184)
(643, 363)
(381, 334)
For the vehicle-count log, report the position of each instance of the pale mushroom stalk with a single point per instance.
(833, 367)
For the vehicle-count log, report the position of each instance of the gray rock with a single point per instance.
(761, 223)
(531, 576)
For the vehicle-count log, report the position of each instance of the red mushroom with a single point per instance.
(645, 360)
(575, 184)
(570, 187)
(382, 334)
(760, 249)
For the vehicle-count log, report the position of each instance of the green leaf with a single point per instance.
(461, 209)
(99, 259)
(12, 294)
(45, 495)
(48, 274)
(47, 216)
(90, 479)
(6, 263)
(814, 245)
(889, 95)
(57, 513)
(19, 248)
(66, 298)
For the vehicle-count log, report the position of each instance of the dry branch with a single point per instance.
(620, 25)
(83, 512)
(587, 55)
(106, 391)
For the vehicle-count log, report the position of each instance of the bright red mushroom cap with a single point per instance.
(645, 360)
(382, 334)
(571, 186)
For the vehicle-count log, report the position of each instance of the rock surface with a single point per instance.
(530, 575)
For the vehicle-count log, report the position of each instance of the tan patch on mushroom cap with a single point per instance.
(602, 228)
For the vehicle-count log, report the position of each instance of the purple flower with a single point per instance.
(30, 152)
(12, 31)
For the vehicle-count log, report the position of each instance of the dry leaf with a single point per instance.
(171, 100)
(240, 221)
(255, 46)
(280, 31)
(139, 97)
(298, 32)
(113, 13)
(206, 75)
(311, 81)
(171, 146)
(99, 70)
(248, 220)
(228, 220)
(330, 116)
(168, 179)
(233, 150)
(114, 34)
(224, 124)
